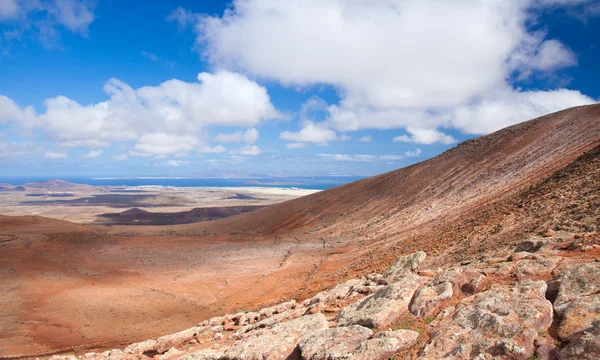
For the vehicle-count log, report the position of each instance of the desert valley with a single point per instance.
(299, 180)
(493, 248)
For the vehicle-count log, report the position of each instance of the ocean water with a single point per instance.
(313, 183)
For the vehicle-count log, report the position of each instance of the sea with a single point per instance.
(301, 182)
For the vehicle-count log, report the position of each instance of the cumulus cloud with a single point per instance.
(295, 145)
(18, 149)
(43, 19)
(53, 155)
(464, 55)
(360, 157)
(174, 163)
(160, 120)
(425, 136)
(93, 154)
(366, 138)
(412, 154)
(212, 149)
(249, 136)
(312, 133)
(250, 150)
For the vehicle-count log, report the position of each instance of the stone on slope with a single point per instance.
(333, 343)
(164, 343)
(403, 266)
(206, 354)
(578, 315)
(502, 322)
(385, 345)
(142, 347)
(584, 345)
(429, 297)
(340, 291)
(539, 267)
(382, 308)
(575, 282)
(277, 342)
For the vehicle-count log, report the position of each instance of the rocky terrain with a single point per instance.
(486, 251)
(540, 302)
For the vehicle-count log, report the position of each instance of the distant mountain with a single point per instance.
(56, 185)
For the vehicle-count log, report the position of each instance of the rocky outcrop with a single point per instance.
(578, 299)
(429, 297)
(385, 344)
(333, 344)
(503, 321)
(379, 310)
(403, 266)
(352, 320)
(277, 342)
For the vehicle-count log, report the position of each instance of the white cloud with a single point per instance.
(360, 157)
(121, 157)
(425, 136)
(90, 143)
(174, 163)
(247, 150)
(8, 9)
(16, 149)
(44, 19)
(93, 154)
(52, 155)
(312, 133)
(412, 154)
(366, 138)
(212, 149)
(295, 145)
(390, 76)
(249, 136)
(161, 120)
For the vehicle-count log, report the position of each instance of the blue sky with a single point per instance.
(333, 87)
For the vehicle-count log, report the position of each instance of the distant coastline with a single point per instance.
(301, 182)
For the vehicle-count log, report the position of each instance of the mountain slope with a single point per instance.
(476, 171)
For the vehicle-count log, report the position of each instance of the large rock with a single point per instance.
(502, 322)
(277, 342)
(576, 282)
(403, 266)
(579, 315)
(382, 308)
(467, 280)
(334, 343)
(584, 345)
(206, 354)
(164, 343)
(429, 297)
(541, 267)
(338, 292)
(385, 345)
(142, 347)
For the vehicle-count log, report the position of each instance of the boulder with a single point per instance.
(385, 345)
(277, 342)
(542, 267)
(206, 354)
(579, 315)
(575, 282)
(334, 343)
(502, 322)
(429, 297)
(467, 280)
(382, 308)
(164, 343)
(116, 354)
(403, 266)
(584, 345)
(172, 354)
(340, 291)
(142, 347)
